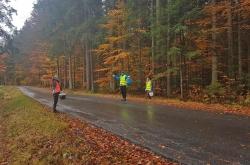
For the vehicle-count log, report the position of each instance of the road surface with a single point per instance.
(189, 137)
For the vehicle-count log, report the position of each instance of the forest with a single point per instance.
(193, 49)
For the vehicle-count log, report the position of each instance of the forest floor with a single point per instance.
(188, 105)
(31, 134)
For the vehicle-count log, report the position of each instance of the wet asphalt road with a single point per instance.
(189, 137)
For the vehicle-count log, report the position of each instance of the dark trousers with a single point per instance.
(56, 96)
(123, 92)
(148, 95)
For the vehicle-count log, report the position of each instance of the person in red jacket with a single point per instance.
(56, 89)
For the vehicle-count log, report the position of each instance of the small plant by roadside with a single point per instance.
(215, 93)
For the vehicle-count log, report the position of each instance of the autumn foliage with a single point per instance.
(197, 50)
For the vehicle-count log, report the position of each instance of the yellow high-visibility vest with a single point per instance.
(149, 85)
(123, 81)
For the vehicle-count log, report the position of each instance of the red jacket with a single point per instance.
(56, 87)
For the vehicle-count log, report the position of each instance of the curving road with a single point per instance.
(189, 137)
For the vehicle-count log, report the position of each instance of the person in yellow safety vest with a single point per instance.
(149, 88)
(122, 78)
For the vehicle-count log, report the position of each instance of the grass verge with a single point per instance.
(30, 134)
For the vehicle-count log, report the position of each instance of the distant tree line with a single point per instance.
(193, 49)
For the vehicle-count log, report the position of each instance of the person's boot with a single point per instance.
(54, 110)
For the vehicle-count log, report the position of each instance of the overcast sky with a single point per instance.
(24, 9)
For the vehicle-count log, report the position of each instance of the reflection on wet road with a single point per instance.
(190, 137)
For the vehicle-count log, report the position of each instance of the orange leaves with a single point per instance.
(115, 13)
(122, 56)
(104, 47)
(37, 67)
(219, 8)
(105, 148)
(102, 70)
(115, 39)
(103, 81)
(119, 57)
(46, 78)
(2, 68)
(113, 54)
(244, 9)
(202, 44)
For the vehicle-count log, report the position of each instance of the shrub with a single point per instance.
(215, 92)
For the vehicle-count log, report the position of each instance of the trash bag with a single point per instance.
(129, 81)
(62, 96)
(151, 93)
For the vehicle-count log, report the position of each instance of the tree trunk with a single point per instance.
(248, 65)
(181, 77)
(157, 27)
(214, 56)
(152, 37)
(91, 69)
(58, 67)
(112, 83)
(239, 49)
(74, 73)
(83, 66)
(65, 72)
(168, 57)
(70, 72)
(230, 40)
(87, 66)
(65, 63)
(158, 11)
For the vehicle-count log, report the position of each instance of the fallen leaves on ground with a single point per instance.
(81, 143)
(93, 145)
(31, 134)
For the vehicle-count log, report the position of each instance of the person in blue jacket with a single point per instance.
(122, 78)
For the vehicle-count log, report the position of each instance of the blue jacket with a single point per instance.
(117, 77)
(128, 79)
